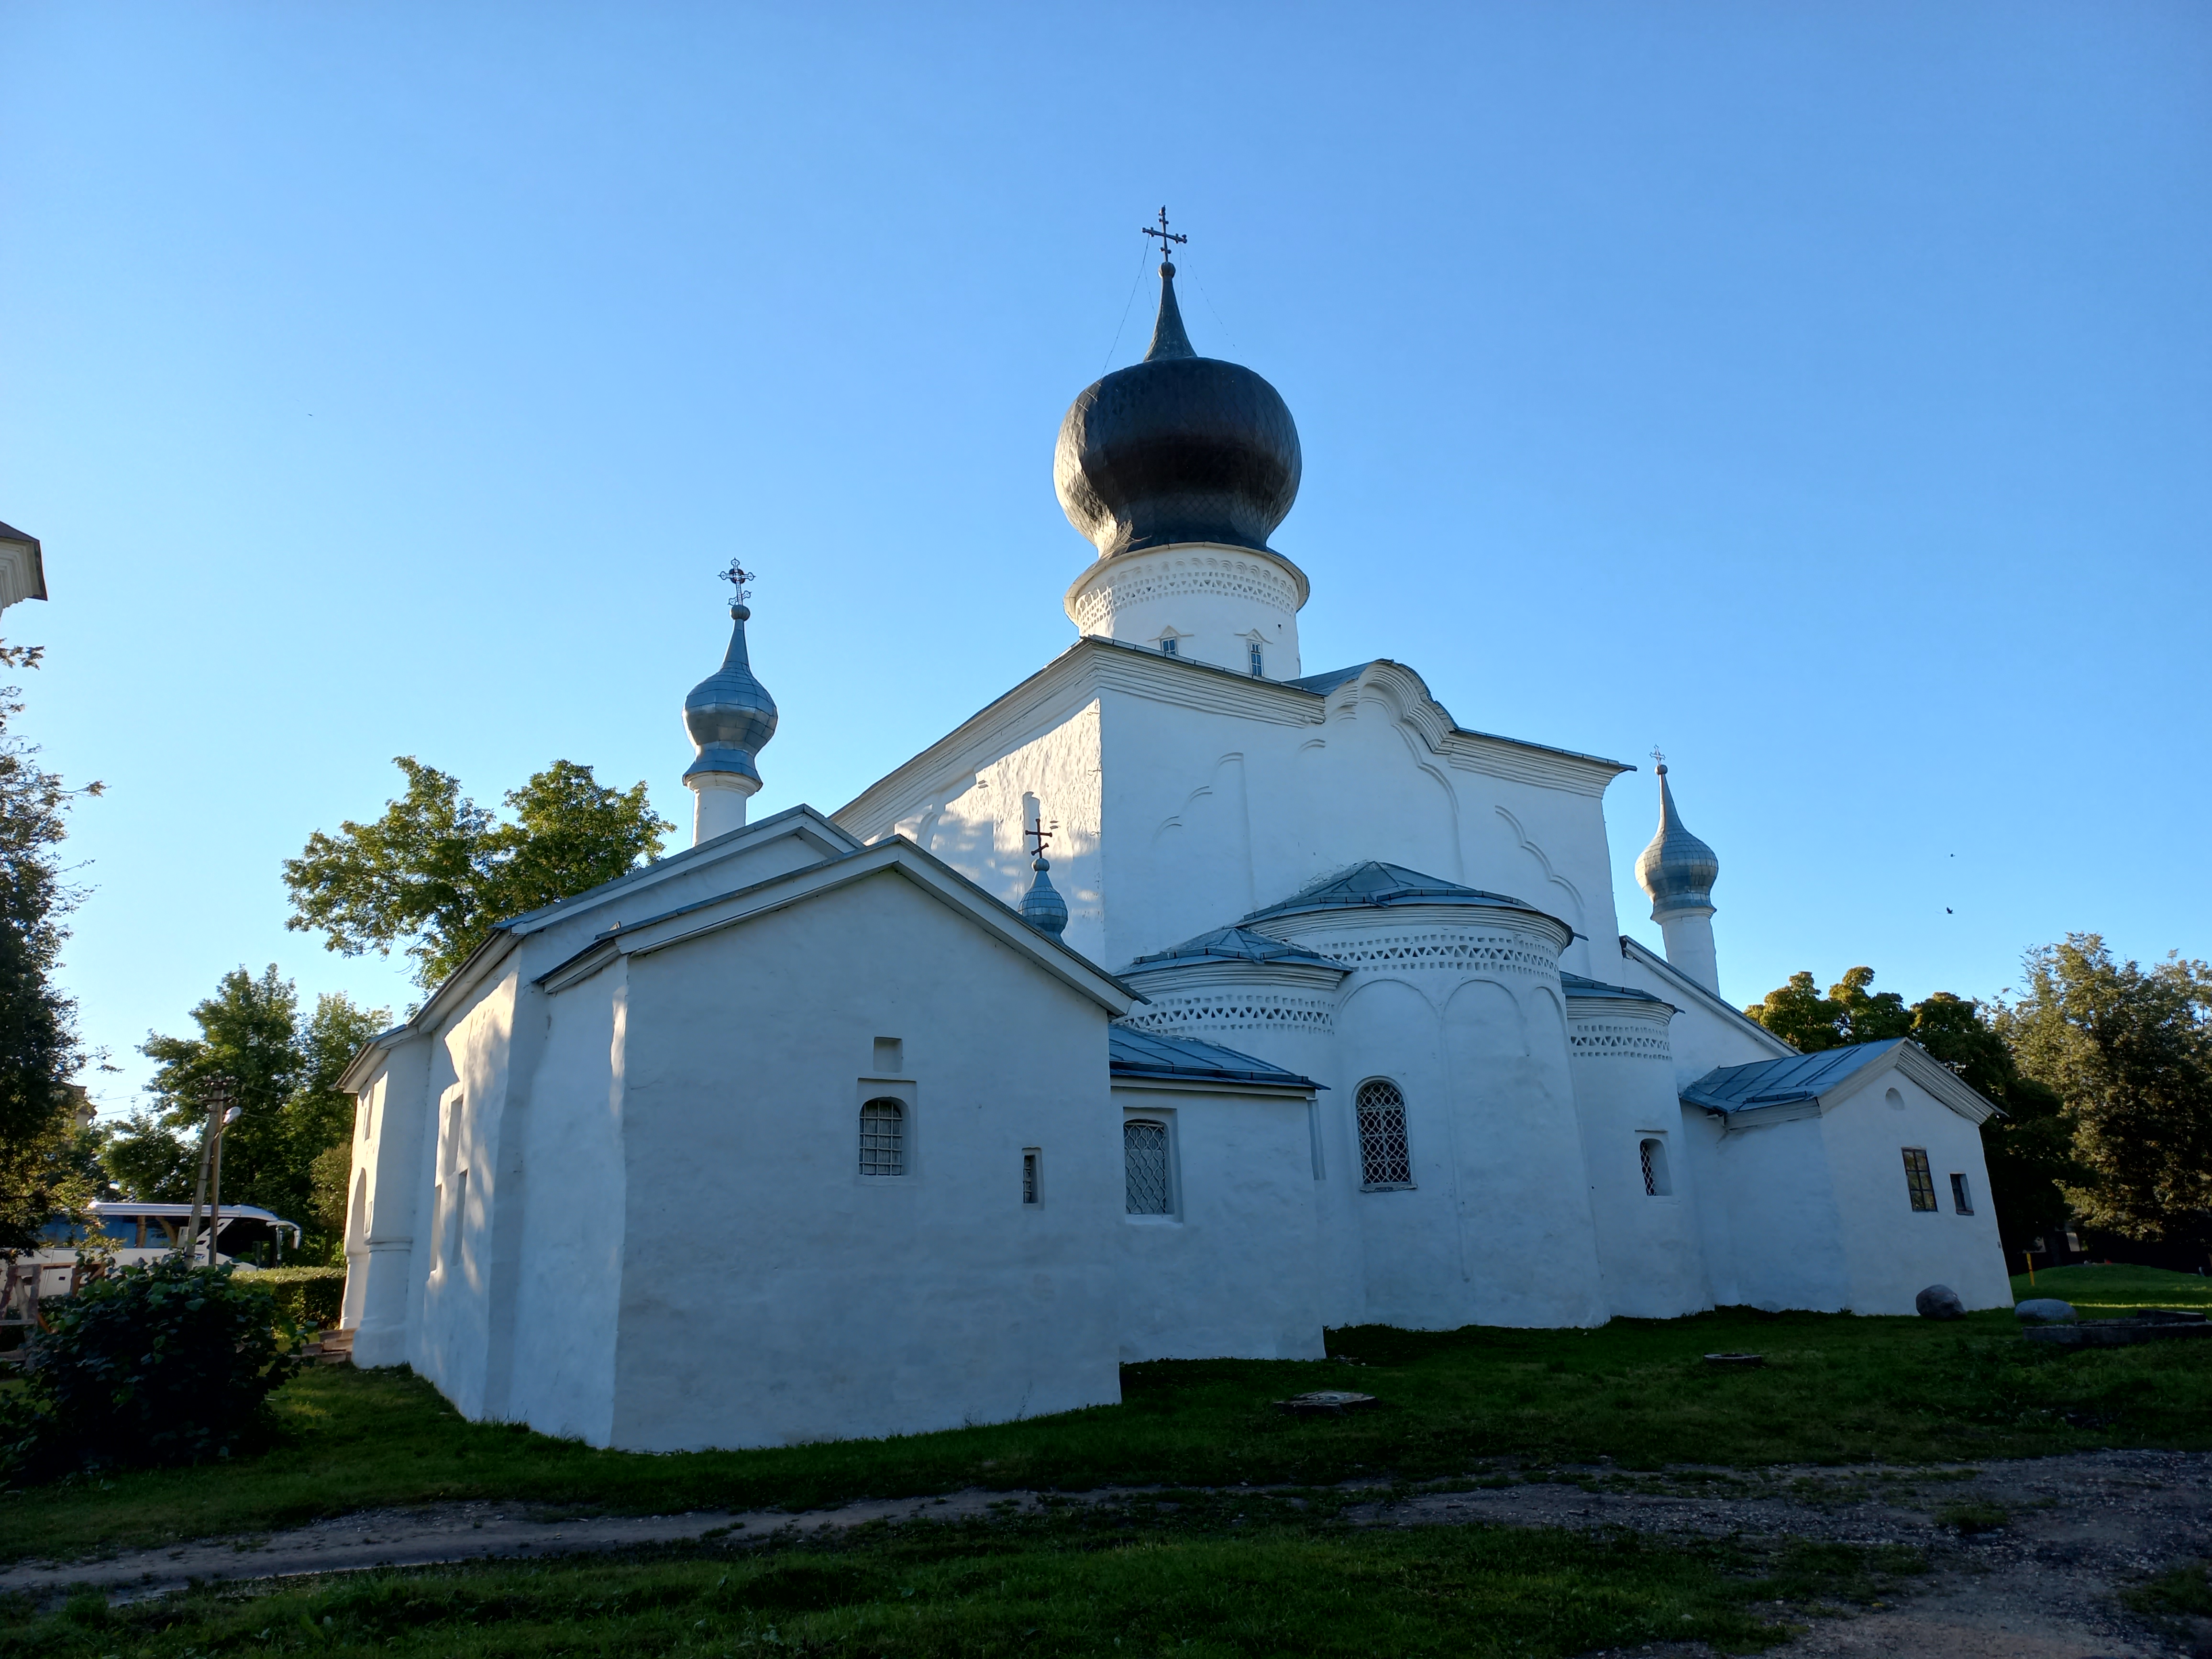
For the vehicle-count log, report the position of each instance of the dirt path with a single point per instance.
(2059, 1536)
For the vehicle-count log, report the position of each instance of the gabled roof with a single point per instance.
(1234, 945)
(1575, 986)
(895, 856)
(1134, 1054)
(1823, 1079)
(1375, 886)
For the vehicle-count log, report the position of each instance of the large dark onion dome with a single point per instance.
(1177, 448)
(730, 714)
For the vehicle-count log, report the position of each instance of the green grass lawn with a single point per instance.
(1192, 1575)
(1835, 1389)
(2102, 1293)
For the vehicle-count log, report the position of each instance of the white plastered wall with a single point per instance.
(1650, 1245)
(1232, 1272)
(770, 1293)
(1893, 1252)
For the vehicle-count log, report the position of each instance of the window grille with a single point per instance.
(1383, 1161)
(1170, 646)
(1653, 1153)
(1917, 1180)
(882, 1138)
(1960, 1200)
(1028, 1177)
(1145, 1156)
(1258, 661)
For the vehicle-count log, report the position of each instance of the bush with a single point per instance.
(312, 1295)
(165, 1362)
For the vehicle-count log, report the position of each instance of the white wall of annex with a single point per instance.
(771, 1294)
(1232, 1273)
(1893, 1250)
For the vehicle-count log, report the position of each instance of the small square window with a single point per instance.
(1918, 1180)
(1170, 646)
(1960, 1201)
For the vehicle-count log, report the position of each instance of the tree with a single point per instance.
(2027, 1144)
(1809, 1022)
(2128, 1051)
(440, 871)
(42, 1163)
(284, 1079)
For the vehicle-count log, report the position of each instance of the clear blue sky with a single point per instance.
(1822, 392)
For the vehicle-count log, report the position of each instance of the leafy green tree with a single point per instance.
(42, 1167)
(440, 871)
(1809, 1022)
(2027, 1146)
(284, 1076)
(2128, 1051)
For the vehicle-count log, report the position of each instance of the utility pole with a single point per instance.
(218, 1101)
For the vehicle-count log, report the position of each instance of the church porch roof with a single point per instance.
(1821, 1080)
(1134, 1054)
(1377, 885)
(1575, 986)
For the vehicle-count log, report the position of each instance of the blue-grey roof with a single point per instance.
(1779, 1082)
(1375, 884)
(1677, 870)
(1133, 1053)
(1325, 684)
(1575, 986)
(1234, 945)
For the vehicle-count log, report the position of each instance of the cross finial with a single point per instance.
(1165, 235)
(1658, 759)
(736, 575)
(1040, 834)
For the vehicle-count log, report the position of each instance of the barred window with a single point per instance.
(1029, 1193)
(1145, 1158)
(882, 1138)
(1918, 1180)
(1959, 1200)
(1383, 1161)
(1653, 1152)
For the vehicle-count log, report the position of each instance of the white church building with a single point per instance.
(1321, 1014)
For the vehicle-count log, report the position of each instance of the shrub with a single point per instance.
(165, 1362)
(312, 1295)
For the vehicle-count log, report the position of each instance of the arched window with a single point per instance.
(1145, 1160)
(882, 1137)
(1384, 1160)
(1653, 1153)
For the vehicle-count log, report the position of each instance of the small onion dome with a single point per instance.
(1041, 906)
(1677, 869)
(730, 714)
(1176, 449)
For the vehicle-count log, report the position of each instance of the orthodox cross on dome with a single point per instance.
(1658, 759)
(1041, 833)
(1165, 235)
(736, 575)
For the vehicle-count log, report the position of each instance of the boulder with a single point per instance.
(2046, 1310)
(1940, 1302)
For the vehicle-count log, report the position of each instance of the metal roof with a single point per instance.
(1779, 1082)
(1235, 944)
(1133, 1053)
(1575, 986)
(1374, 884)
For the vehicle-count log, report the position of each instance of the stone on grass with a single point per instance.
(1326, 1402)
(2044, 1310)
(1940, 1302)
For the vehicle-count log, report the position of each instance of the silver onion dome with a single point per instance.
(1677, 869)
(1043, 908)
(1177, 448)
(730, 714)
